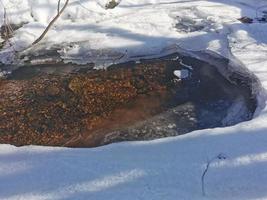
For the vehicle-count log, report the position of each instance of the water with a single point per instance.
(68, 105)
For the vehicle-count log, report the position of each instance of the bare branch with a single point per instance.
(58, 6)
(220, 156)
(52, 22)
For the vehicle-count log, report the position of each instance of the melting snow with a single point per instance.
(168, 168)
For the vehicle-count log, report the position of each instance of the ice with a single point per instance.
(167, 168)
(181, 74)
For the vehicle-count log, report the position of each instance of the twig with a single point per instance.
(51, 23)
(203, 178)
(58, 6)
(7, 29)
(220, 157)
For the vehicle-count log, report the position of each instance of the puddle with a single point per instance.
(48, 105)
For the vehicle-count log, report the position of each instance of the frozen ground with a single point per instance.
(168, 168)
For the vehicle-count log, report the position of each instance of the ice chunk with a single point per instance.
(181, 74)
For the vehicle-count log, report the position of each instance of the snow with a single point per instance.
(168, 168)
(181, 74)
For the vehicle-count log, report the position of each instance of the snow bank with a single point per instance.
(168, 168)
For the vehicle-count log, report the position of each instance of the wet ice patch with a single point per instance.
(236, 113)
(102, 58)
(188, 25)
(3, 74)
(7, 56)
(193, 19)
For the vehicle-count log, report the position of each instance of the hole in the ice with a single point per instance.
(155, 98)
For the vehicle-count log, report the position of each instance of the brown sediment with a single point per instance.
(79, 109)
(127, 102)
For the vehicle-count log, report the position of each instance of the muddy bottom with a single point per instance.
(130, 101)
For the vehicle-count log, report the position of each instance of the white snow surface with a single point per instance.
(168, 168)
(181, 74)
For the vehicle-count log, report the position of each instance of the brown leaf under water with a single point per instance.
(79, 109)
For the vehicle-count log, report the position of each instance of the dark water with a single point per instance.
(204, 99)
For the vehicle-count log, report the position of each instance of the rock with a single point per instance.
(112, 4)
(246, 20)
